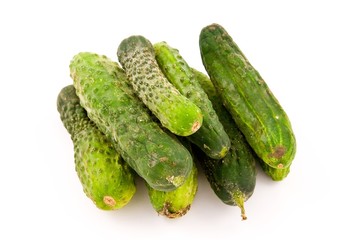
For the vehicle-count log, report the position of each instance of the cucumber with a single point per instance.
(175, 111)
(211, 137)
(106, 179)
(111, 103)
(176, 203)
(248, 98)
(232, 178)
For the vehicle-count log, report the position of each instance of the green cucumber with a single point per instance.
(176, 203)
(211, 137)
(274, 173)
(111, 103)
(245, 94)
(232, 178)
(175, 111)
(106, 179)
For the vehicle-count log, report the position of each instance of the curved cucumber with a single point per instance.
(211, 137)
(233, 178)
(106, 179)
(252, 105)
(175, 111)
(110, 102)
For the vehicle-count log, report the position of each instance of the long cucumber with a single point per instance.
(211, 137)
(175, 112)
(232, 178)
(105, 177)
(111, 103)
(248, 98)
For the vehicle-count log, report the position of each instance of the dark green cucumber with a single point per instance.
(232, 178)
(175, 112)
(111, 103)
(275, 173)
(211, 137)
(245, 94)
(106, 179)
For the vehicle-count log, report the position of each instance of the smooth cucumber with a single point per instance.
(211, 137)
(111, 103)
(245, 94)
(175, 112)
(106, 179)
(232, 178)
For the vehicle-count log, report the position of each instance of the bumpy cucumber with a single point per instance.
(233, 178)
(245, 94)
(175, 111)
(211, 137)
(106, 179)
(110, 102)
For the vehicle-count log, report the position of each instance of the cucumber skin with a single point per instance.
(245, 94)
(111, 103)
(106, 179)
(176, 203)
(175, 111)
(211, 137)
(232, 178)
(274, 173)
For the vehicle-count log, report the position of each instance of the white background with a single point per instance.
(307, 52)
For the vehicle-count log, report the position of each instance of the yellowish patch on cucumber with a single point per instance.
(109, 201)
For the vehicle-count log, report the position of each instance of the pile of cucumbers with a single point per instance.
(153, 116)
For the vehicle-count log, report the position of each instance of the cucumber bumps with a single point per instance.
(211, 137)
(175, 112)
(106, 179)
(244, 93)
(111, 103)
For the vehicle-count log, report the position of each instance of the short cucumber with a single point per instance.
(176, 203)
(111, 103)
(245, 94)
(175, 112)
(106, 179)
(211, 137)
(232, 178)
